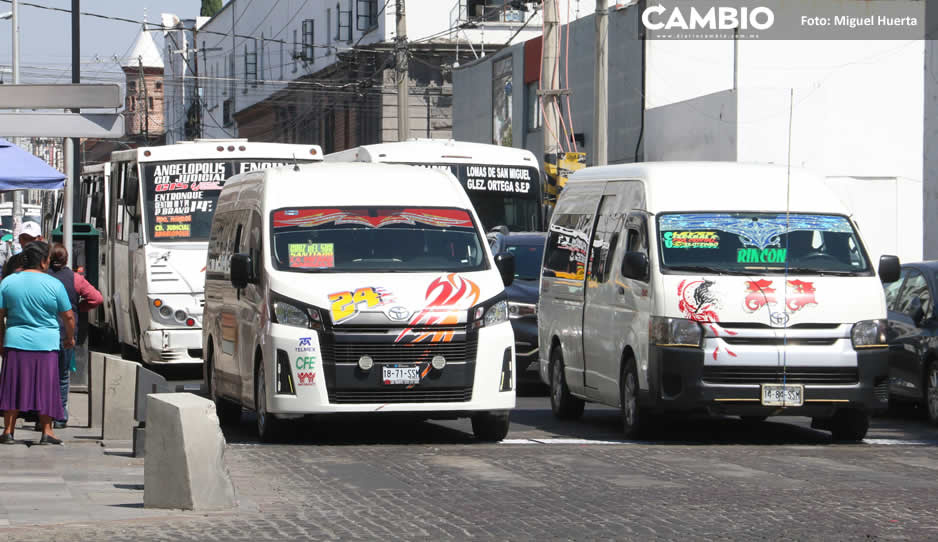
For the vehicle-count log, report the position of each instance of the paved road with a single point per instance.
(701, 479)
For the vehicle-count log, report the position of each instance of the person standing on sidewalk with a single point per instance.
(83, 297)
(30, 302)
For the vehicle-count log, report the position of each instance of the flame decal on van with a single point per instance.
(442, 218)
(447, 297)
(699, 304)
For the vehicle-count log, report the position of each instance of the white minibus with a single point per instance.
(718, 287)
(341, 288)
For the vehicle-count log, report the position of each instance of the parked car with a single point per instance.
(678, 287)
(912, 335)
(528, 249)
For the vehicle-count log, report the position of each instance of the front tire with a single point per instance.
(228, 412)
(490, 426)
(268, 426)
(563, 404)
(849, 425)
(931, 392)
(633, 416)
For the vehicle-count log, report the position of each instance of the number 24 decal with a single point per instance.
(346, 304)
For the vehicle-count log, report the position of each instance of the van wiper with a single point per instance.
(708, 269)
(821, 272)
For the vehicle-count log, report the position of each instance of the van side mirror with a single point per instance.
(242, 271)
(635, 265)
(505, 262)
(889, 268)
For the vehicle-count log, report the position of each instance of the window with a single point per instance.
(343, 31)
(567, 244)
(226, 112)
(250, 66)
(636, 237)
(131, 86)
(150, 104)
(535, 115)
(296, 50)
(915, 294)
(309, 34)
(604, 240)
(329, 31)
(892, 293)
(260, 62)
(367, 15)
(159, 85)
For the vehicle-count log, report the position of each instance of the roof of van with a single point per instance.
(350, 184)
(703, 186)
(436, 151)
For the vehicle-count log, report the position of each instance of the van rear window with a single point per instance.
(357, 239)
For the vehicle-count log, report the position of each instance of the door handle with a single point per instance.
(621, 290)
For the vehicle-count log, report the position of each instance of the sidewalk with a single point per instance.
(80, 481)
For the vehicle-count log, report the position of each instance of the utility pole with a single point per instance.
(72, 145)
(18, 194)
(142, 86)
(550, 91)
(403, 99)
(600, 85)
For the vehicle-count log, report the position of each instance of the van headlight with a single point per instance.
(492, 312)
(291, 313)
(674, 332)
(869, 334)
(520, 310)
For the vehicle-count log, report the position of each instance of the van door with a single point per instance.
(601, 302)
(228, 314)
(634, 296)
(250, 308)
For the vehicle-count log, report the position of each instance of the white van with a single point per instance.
(728, 288)
(355, 288)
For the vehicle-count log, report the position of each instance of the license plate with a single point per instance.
(782, 394)
(400, 375)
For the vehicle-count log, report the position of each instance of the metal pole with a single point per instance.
(600, 85)
(17, 194)
(549, 85)
(69, 196)
(403, 99)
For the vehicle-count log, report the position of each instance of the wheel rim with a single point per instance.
(628, 400)
(261, 401)
(556, 382)
(933, 393)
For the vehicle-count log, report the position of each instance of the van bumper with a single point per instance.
(172, 345)
(677, 383)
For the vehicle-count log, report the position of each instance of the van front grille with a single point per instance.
(791, 375)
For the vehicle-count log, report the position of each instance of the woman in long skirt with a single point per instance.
(30, 301)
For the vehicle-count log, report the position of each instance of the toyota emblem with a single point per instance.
(398, 313)
(779, 319)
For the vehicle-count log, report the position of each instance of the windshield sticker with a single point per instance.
(173, 227)
(766, 255)
(446, 298)
(691, 239)
(311, 255)
(347, 305)
(759, 232)
(798, 294)
(699, 303)
(310, 218)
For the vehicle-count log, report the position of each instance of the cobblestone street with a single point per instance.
(704, 479)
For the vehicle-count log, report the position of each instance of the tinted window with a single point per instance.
(527, 260)
(567, 245)
(353, 239)
(915, 287)
(892, 293)
(604, 240)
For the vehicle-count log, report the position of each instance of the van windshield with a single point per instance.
(369, 239)
(765, 243)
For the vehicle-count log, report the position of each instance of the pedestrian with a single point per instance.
(30, 302)
(83, 297)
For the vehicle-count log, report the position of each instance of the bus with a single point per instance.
(503, 183)
(154, 208)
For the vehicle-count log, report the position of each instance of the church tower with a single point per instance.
(143, 109)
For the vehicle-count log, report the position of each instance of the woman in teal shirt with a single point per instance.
(30, 301)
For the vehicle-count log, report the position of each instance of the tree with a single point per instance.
(210, 7)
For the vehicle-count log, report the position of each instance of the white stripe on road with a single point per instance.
(870, 441)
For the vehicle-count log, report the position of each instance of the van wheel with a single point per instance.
(931, 392)
(228, 412)
(268, 426)
(849, 425)
(564, 405)
(490, 426)
(633, 416)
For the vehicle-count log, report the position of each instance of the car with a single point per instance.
(528, 249)
(912, 336)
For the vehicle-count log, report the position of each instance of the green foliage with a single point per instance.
(210, 7)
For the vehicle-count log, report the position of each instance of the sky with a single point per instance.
(45, 37)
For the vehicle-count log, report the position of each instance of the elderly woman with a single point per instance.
(30, 304)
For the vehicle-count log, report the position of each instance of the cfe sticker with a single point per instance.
(306, 363)
(345, 305)
(766, 255)
(691, 239)
(311, 255)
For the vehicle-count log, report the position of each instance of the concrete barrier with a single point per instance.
(96, 393)
(120, 379)
(185, 455)
(147, 382)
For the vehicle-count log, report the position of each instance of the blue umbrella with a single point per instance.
(20, 170)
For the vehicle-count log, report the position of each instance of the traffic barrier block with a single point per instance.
(120, 378)
(96, 393)
(185, 455)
